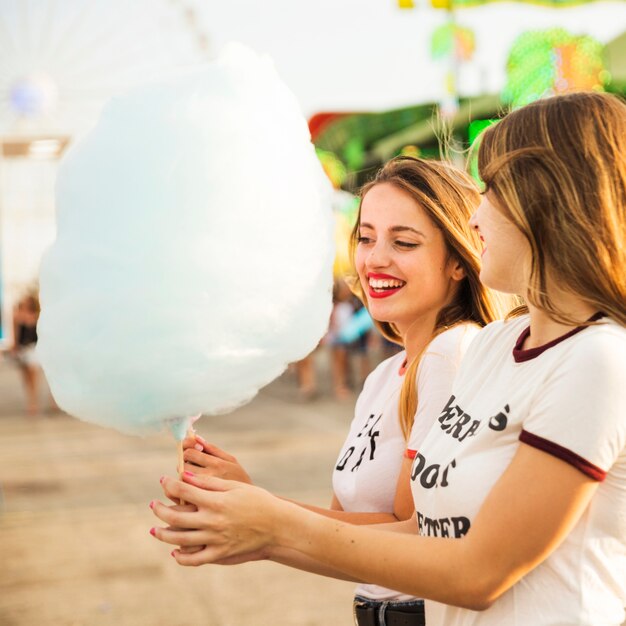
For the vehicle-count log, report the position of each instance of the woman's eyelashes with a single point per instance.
(406, 245)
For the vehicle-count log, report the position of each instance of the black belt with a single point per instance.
(365, 615)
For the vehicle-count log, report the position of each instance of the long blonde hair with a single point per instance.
(449, 197)
(557, 170)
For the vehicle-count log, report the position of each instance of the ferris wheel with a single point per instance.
(61, 59)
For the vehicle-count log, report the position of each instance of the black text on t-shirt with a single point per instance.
(430, 475)
(443, 526)
(458, 424)
(369, 443)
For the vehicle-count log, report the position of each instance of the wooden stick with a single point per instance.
(181, 465)
(181, 460)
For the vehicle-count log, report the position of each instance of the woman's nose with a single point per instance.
(379, 255)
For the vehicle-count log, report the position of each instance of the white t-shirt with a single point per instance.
(568, 399)
(367, 469)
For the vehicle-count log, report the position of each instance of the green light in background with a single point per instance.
(474, 130)
(548, 62)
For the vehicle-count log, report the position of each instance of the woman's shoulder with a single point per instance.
(502, 332)
(453, 342)
(601, 344)
(607, 337)
(386, 368)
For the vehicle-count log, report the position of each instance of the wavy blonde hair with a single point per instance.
(557, 169)
(449, 197)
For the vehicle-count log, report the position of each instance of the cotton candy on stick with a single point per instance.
(194, 250)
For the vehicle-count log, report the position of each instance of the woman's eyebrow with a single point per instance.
(395, 229)
(399, 229)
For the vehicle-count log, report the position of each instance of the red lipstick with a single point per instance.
(381, 276)
(387, 292)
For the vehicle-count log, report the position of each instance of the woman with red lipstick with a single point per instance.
(416, 262)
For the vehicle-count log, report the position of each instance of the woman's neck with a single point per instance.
(543, 329)
(418, 335)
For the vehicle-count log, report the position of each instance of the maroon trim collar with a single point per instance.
(520, 355)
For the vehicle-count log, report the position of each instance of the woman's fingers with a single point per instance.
(194, 488)
(191, 442)
(201, 445)
(191, 559)
(191, 549)
(175, 516)
(206, 458)
(228, 520)
(213, 450)
(207, 554)
(177, 537)
(204, 463)
(201, 459)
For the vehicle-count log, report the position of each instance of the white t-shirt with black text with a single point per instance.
(568, 399)
(367, 469)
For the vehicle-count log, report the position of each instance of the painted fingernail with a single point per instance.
(152, 504)
(173, 553)
(188, 474)
(161, 479)
(153, 531)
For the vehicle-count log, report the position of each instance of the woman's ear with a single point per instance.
(457, 271)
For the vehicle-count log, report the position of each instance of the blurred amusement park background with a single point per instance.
(374, 79)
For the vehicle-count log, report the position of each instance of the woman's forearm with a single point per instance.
(298, 560)
(351, 517)
(418, 566)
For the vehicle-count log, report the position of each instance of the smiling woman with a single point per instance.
(402, 262)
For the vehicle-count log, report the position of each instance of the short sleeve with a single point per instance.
(579, 413)
(435, 376)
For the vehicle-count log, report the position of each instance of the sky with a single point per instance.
(368, 54)
(335, 55)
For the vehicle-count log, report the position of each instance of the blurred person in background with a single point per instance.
(362, 348)
(417, 272)
(25, 317)
(342, 312)
(306, 376)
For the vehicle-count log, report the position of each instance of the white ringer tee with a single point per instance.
(568, 399)
(367, 469)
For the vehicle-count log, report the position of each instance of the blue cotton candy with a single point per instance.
(194, 250)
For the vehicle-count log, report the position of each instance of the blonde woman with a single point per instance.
(417, 265)
(522, 519)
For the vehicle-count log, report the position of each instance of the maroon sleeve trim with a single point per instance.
(587, 468)
(410, 454)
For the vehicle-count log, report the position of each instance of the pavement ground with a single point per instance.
(75, 548)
